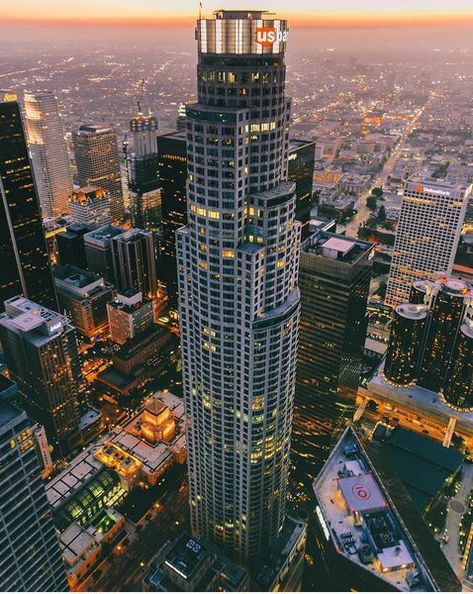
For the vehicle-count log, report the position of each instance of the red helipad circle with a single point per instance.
(361, 492)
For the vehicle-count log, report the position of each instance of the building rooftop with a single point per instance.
(423, 464)
(336, 247)
(103, 235)
(356, 511)
(81, 470)
(33, 320)
(148, 441)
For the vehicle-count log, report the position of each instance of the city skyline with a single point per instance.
(300, 12)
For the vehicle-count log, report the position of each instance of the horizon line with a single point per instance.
(297, 19)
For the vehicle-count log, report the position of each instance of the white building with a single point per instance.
(48, 153)
(432, 214)
(238, 262)
(90, 206)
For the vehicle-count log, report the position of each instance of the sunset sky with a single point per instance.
(302, 11)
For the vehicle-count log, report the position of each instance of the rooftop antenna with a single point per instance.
(141, 95)
(200, 10)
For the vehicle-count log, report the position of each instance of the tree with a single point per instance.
(377, 192)
(381, 213)
(371, 202)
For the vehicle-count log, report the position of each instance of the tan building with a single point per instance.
(140, 451)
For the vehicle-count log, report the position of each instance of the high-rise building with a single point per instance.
(25, 265)
(172, 153)
(31, 558)
(83, 296)
(40, 349)
(368, 535)
(301, 171)
(430, 223)
(128, 315)
(70, 245)
(146, 214)
(134, 262)
(98, 250)
(431, 340)
(98, 163)
(238, 262)
(142, 162)
(48, 152)
(90, 206)
(334, 278)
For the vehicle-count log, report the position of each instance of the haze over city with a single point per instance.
(236, 296)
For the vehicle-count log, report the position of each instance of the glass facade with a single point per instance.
(25, 266)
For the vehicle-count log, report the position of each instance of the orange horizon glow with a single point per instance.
(297, 19)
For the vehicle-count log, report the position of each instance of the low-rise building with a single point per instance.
(141, 450)
(191, 565)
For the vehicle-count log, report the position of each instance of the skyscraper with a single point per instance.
(134, 263)
(98, 163)
(25, 266)
(31, 558)
(40, 349)
(142, 162)
(431, 340)
(301, 171)
(428, 233)
(90, 207)
(172, 159)
(238, 297)
(48, 153)
(334, 279)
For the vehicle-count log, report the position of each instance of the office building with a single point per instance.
(301, 172)
(134, 262)
(40, 349)
(238, 262)
(334, 278)
(98, 250)
(70, 245)
(129, 314)
(146, 214)
(427, 236)
(181, 120)
(369, 535)
(142, 162)
(430, 343)
(31, 559)
(190, 565)
(90, 207)
(172, 153)
(49, 154)
(83, 296)
(25, 266)
(98, 163)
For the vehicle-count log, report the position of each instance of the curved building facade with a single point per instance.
(405, 346)
(458, 390)
(238, 263)
(445, 318)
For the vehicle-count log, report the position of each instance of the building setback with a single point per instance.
(48, 152)
(238, 262)
(25, 265)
